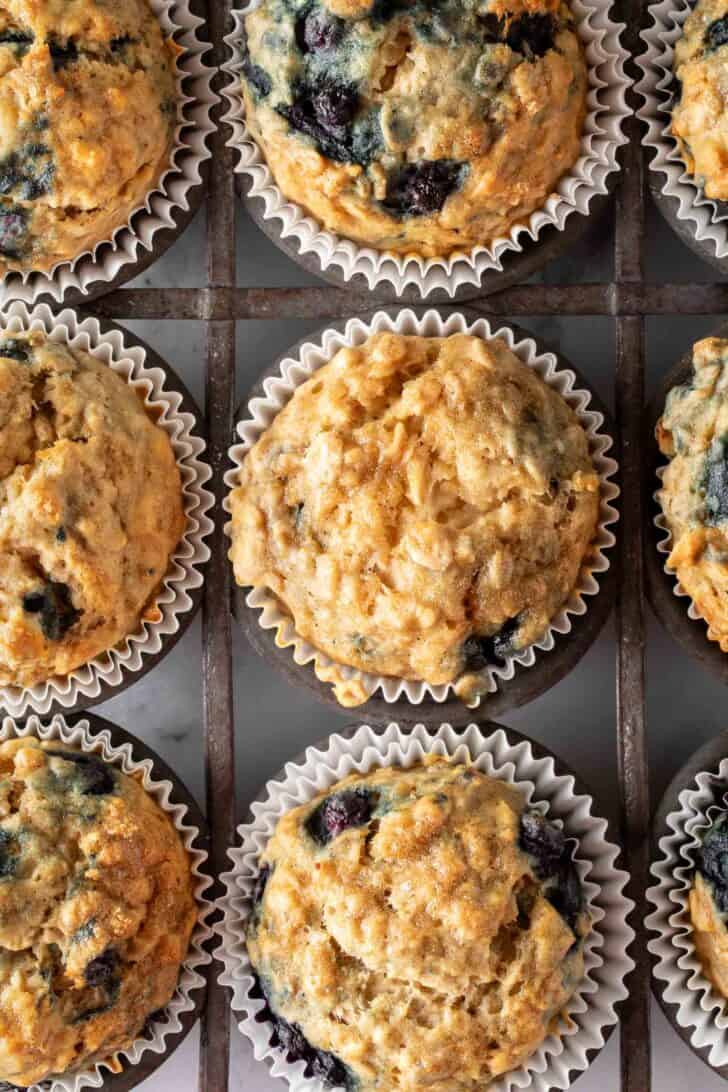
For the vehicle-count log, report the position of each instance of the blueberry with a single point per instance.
(324, 112)
(712, 861)
(423, 188)
(61, 533)
(259, 887)
(95, 778)
(715, 483)
(318, 31)
(480, 651)
(256, 76)
(56, 610)
(102, 971)
(532, 35)
(84, 932)
(491, 26)
(18, 40)
(548, 848)
(62, 53)
(8, 855)
(339, 812)
(116, 45)
(13, 228)
(716, 34)
(13, 348)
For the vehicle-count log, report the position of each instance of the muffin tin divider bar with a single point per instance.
(217, 614)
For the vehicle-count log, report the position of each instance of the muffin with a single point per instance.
(709, 904)
(416, 928)
(87, 122)
(692, 433)
(412, 127)
(90, 509)
(96, 910)
(421, 508)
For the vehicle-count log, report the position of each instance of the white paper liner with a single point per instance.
(699, 1005)
(83, 737)
(311, 356)
(707, 219)
(602, 136)
(591, 1009)
(195, 100)
(183, 575)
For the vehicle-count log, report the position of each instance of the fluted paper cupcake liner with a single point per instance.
(601, 137)
(294, 372)
(699, 1005)
(171, 193)
(183, 575)
(591, 1011)
(81, 736)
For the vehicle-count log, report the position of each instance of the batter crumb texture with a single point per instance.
(90, 509)
(96, 910)
(699, 114)
(693, 433)
(709, 904)
(422, 508)
(87, 119)
(416, 126)
(416, 929)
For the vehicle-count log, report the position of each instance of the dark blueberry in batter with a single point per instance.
(715, 485)
(61, 534)
(480, 652)
(53, 604)
(256, 76)
(84, 932)
(422, 188)
(13, 224)
(712, 861)
(492, 27)
(338, 812)
(317, 30)
(62, 53)
(532, 35)
(548, 848)
(260, 884)
(19, 40)
(15, 349)
(95, 777)
(8, 855)
(716, 34)
(116, 45)
(324, 113)
(102, 970)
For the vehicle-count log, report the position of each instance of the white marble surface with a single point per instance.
(576, 718)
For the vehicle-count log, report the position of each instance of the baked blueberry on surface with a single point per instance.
(471, 115)
(420, 947)
(709, 903)
(692, 433)
(91, 509)
(96, 910)
(85, 133)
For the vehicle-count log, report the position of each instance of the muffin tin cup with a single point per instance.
(545, 783)
(271, 630)
(122, 750)
(669, 600)
(701, 223)
(483, 269)
(691, 1003)
(181, 591)
(167, 209)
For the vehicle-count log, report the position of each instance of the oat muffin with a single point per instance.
(96, 910)
(411, 126)
(699, 114)
(87, 119)
(90, 509)
(693, 433)
(709, 904)
(422, 508)
(416, 929)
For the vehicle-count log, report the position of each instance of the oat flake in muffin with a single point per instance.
(416, 127)
(422, 508)
(90, 509)
(96, 910)
(87, 120)
(709, 904)
(693, 434)
(416, 929)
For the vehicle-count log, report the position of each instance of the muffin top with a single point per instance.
(415, 127)
(96, 909)
(699, 115)
(87, 119)
(90, 509)
(416, 929)
(709, 904)
(693, 433)
(421, 507)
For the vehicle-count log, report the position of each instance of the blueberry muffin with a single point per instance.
(699, 114)
(87, 120)
(422, 508)
(416, 929)
(709, 904)
(693, 433)
(90, 509)
(416, 127)
(96, 910)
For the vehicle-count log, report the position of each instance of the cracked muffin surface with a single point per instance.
(88, 108)
(699, 114)
(421, 508)
(708, 903)
(416, 127)
(90, 509)
(96, 910)
(416, 929)
(693, 433)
